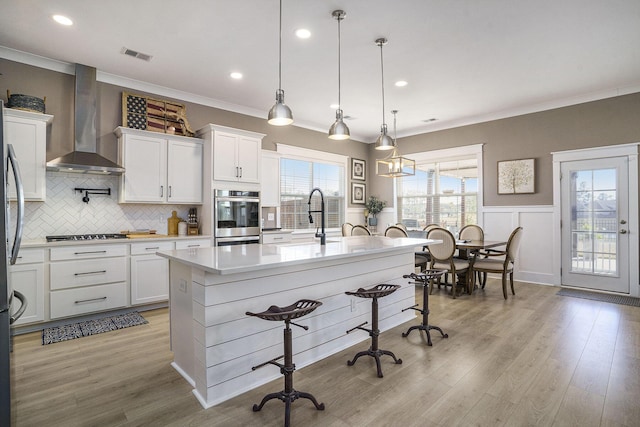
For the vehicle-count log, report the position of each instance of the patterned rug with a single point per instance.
(91, 327)
(614, 299)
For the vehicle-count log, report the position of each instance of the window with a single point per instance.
(441, 192)
(300, 172)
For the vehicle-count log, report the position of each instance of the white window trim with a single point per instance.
(307, 154)
(450, 154)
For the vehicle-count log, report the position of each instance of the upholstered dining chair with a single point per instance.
(472, 232)
(395, 231)
(442, 257)
(501, 262)
(422, 257)
(360, 230)
(346, 229)
(401, 225)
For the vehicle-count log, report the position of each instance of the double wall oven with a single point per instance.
(236, 217)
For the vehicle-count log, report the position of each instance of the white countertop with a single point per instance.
(243, 258)
(42, 243)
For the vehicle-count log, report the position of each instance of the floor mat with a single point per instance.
(91, 327)
(597, 296)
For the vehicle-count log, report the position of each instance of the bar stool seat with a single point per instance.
(287, 314)
(374, 293)
(425, 278)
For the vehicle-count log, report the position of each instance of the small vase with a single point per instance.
(373, 222)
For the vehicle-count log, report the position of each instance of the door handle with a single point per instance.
(23, 307)
(623, 231)
(20, 208)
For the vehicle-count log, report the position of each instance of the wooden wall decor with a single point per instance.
(155, 115)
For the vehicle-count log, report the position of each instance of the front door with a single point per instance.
(595, 209)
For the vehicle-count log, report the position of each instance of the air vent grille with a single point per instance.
(136, 54)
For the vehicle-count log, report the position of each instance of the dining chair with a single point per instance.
(360, 230)
(395, 231)
(401, 225)
(422, 257)
(442, 258)
(472, 232)
(346, 229)
(502, 262)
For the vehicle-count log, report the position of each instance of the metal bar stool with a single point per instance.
(286, 314)
(425, 278)
(376, 292)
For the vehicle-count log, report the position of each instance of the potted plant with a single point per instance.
(374, 205)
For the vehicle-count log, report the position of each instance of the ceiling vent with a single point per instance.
(136, 54)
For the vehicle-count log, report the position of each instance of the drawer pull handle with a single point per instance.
(278, 238)
(149, 249)
(90, 252)
(90, 300)
(193, 246)
(90, 272)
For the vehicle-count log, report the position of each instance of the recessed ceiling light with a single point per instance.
(235, 75)
(303, 33)
(401, 83)
(63, 20)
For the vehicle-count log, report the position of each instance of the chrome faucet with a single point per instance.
(322, 235)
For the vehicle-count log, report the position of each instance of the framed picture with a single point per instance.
(358, 168)
(358, 193)
(516, 176)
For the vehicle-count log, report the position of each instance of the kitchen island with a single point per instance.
(215, 343)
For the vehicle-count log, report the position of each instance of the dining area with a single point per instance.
(466, 257)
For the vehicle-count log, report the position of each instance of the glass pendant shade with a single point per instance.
(280, 114)
(339, 130)
(395, 166)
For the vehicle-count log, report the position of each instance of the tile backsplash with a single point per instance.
(64, 212)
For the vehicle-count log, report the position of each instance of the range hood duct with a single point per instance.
(84, 158)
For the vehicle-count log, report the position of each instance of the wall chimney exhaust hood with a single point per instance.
(84, 158)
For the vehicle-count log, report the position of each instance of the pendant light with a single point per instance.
(280, 114)
(395, 165)
(384, 141)
(339, 129)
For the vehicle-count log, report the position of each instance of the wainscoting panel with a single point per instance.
(535, 259)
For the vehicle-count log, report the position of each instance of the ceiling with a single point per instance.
(465, 61)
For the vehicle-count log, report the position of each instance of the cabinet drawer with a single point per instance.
(187, 244)
(30, 256)
(87, 251)
(72, 302)
(145, 248)
(72, 274)
(276, 238)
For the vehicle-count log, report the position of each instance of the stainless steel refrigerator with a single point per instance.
(12, 302)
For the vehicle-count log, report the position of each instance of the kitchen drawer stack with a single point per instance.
(85, 279)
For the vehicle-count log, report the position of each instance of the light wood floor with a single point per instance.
(535, 359)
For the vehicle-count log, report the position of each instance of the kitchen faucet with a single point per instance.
(322, 235)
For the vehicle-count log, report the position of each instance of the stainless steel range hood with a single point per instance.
(84, 158)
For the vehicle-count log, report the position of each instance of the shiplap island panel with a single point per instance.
(215, 343)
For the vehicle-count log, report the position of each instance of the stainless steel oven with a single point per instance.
(236, 217)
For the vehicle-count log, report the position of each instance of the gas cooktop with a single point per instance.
(81, 237)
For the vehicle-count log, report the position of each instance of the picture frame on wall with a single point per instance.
(358, 193)
(516, 176)
(358, 169)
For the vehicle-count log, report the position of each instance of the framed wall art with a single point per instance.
(516, 176)
(358, 169)
(358, 193)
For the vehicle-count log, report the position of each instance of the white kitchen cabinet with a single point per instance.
(149, 272)
(275, 237)
(87, 278)
(194, 243)
(27, 132)
(235, 153)
(159, 168)
(28, 277)
(270, 181)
